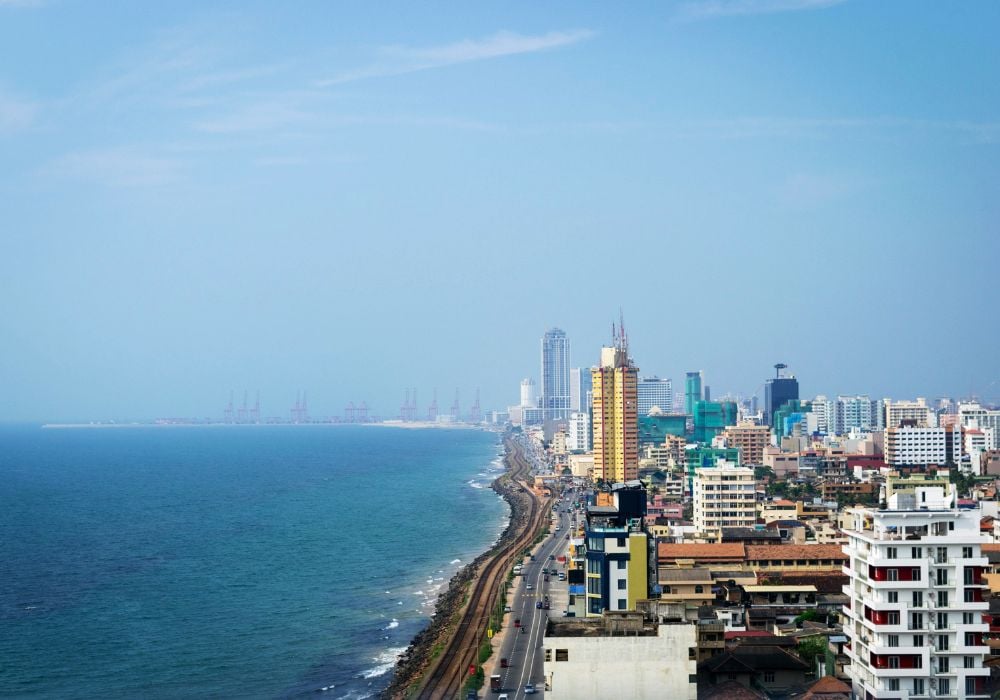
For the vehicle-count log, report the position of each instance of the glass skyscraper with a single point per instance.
(555, 375)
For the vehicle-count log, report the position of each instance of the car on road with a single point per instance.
(502, 696)
(529, 689)
(538, 605)
(506, 609)
(529, 587)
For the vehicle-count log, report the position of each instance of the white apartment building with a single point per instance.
(909, 446)
(917, 411)
(916, 599)
(724, 497)
(579, 437)
(854, 413)
(972, 415)
(825, 412)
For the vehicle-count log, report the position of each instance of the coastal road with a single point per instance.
(523, 650)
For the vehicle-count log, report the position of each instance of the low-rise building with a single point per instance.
(620, 655)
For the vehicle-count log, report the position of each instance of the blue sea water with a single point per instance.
(224, 562)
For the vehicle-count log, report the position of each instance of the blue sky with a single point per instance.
(353, 198)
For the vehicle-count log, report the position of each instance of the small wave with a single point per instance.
(475, 484)
(384, 662)
(455, 561)
(392, 625)
(418, 592)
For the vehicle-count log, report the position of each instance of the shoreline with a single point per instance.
(414, 662)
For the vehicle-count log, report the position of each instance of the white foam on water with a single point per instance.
(384, 662)
(455, 561)
(392, 625)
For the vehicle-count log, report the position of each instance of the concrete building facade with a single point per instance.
(724, 497)
(615, 416)
(916, 599)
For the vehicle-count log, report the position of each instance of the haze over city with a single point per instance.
(352, 199)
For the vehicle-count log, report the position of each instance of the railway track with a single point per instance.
(445, 679)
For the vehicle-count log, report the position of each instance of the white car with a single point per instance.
(529, 689)
(529, 587)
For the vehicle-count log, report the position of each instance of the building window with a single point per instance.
(699, 589)
(969, 662)
(970, 596)
(893, 684)
(943, 665)
(731, 676)
(970, 686)
(918, 599)
(942, 642)
(942, 577)
(621, 541)
(893, 662)
(916, 552)
(621, 564)
(918, 686)
(692, 653)
(769, 676)
(894, 640)
(918, 640)
(562, 654)
(943, 599)
(893, 596)
(967, 552)
(892, 574)
(890, 553)
(917, 621)
(944, 686)
(622, 604)
(622, 584)
(942, 620)
(970, 639)
(915, 574)
(892, 618)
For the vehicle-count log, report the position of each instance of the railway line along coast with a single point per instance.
(437, 663)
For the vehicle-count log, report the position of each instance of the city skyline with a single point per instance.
(195, 203)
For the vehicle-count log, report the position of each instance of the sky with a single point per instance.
(353, 198)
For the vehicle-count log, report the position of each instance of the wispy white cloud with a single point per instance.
(117, 167)
(715, 9)
(15, 113)
(399, 60)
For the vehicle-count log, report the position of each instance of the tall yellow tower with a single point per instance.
(616, 414)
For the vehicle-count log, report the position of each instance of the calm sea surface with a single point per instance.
(226, 562)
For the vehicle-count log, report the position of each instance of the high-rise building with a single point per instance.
(692, 391)
(579, 389)
(654, 391)
(528, 398)
(617, 550)
(916, 596)
(919, 446)
(616, 414)
(777, 391)
(751, 439)
(580, 435)
(555, 375)
(711, 417)
(916, 413)
(854, 413)
(724, 497)
(826, 415)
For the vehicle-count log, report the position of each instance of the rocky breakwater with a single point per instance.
(425, 646)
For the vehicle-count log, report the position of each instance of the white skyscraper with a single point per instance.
(555, 375)
(528, 398)
(654, 391)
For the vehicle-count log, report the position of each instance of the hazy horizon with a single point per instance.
(353, 200)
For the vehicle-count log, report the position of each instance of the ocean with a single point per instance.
(230, 561)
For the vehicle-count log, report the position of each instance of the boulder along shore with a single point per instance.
(417, 658)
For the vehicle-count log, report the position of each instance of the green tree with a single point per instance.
(809, 649)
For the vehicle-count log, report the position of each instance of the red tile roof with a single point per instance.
(778, 552)
(729, 550)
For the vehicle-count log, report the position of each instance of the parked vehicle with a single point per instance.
(495, 684)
